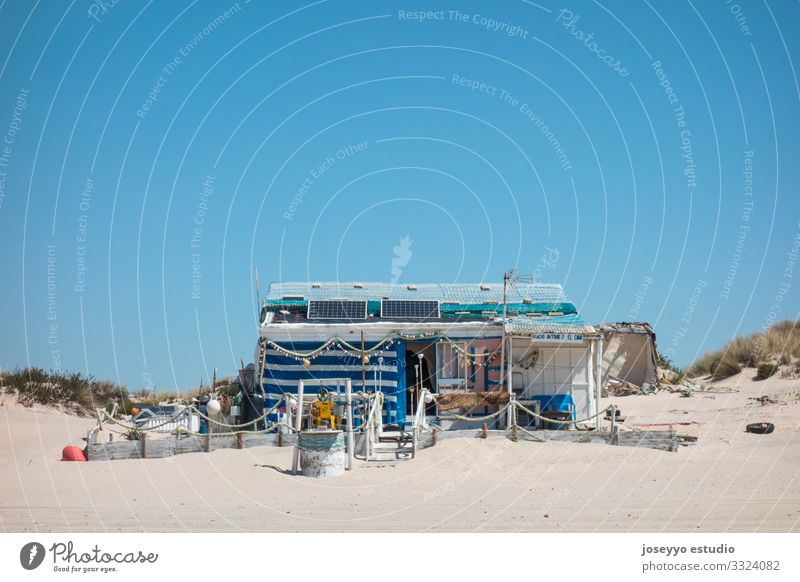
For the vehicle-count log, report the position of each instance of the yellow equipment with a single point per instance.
(322, 410)
(322, 414)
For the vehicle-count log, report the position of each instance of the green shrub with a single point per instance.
(766, 370)
(37, 386)
(133, 434)
(726, 368)
(706, 365)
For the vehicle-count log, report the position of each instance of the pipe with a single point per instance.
(379, 429)
(598, 378)
(509, 383)
(298, 426)
(591, 381)
(348, 406)
(288, 404)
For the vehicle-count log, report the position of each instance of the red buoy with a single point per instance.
(72, 454)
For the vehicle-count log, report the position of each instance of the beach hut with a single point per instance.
(447, 338)
(630, 353)
(555, 363)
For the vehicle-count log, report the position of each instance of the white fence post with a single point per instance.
(598, 378)
(348, 405)
(509, 380)
(298, 426)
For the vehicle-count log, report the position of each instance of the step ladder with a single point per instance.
(393, 446)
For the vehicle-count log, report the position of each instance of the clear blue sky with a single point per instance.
(644, 155)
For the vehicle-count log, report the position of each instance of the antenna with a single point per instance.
(258, 297)
(510, 277)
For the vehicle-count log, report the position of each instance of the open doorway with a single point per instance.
(420, 373)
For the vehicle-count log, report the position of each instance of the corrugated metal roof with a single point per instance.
(571, 323)
(457, 292)
(625, 327)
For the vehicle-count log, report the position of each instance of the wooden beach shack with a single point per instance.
(451, 339)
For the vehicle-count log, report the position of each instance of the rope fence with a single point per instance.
(546, 419)
(105, 416)
(419, 423)
(479, 418)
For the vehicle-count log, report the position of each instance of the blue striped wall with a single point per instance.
(281, 374)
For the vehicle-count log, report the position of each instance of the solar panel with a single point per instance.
(337, 309)
(405, 309)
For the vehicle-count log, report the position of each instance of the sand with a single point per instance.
(729, 481)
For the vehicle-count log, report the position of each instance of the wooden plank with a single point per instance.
(190, 445)
(115, 451)
(665, 440)
(260, 440)
(158, 449)
(223, 442)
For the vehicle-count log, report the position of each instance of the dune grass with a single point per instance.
(780, 344)
(71, 390)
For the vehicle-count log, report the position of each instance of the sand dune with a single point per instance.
(728, 481)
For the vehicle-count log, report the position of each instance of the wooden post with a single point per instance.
(415, 391)
(484, 431)
(143, 441)
(208, 442)
(89, 443)
(239, 444)
(288, 401)
(348, 410)
(598, 378)
(363, 365)
(514, 432)
(503, 336)
(509, 382)
(298, 426)
(589, 371)
(512, 408)
(613, 424)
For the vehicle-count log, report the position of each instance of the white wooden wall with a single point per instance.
(557, 370)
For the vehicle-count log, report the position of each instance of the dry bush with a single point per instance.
(780, 342)
(766, 370)
(726, 368)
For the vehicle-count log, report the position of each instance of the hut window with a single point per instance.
(450, 363)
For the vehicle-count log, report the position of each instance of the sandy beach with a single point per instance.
(729, 481)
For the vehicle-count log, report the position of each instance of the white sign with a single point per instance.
(560, 338)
